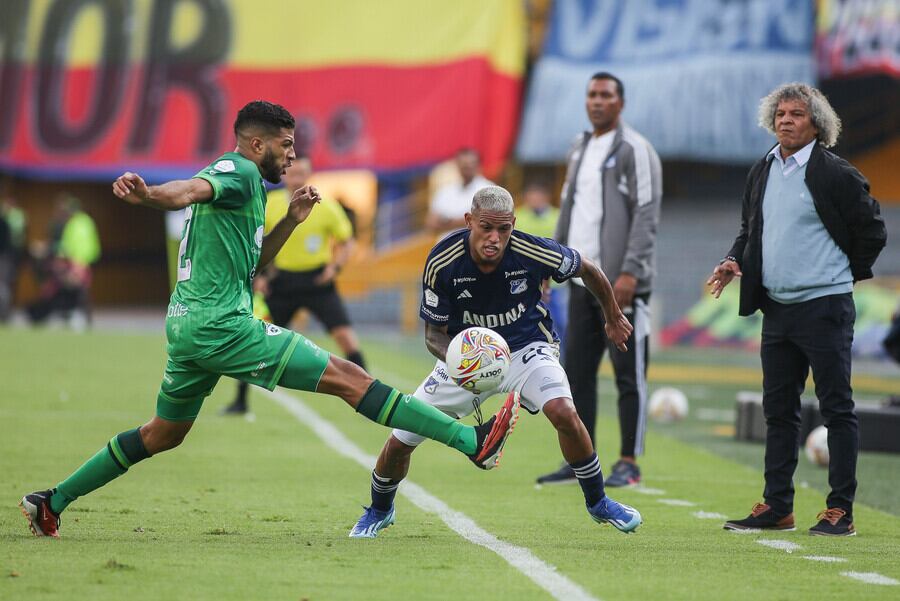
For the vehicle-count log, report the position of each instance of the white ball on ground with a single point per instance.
(817, 446)
(478, 359)
(668, 404)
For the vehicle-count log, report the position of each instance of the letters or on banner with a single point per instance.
(90, 88)
(858, 37)
(694, 72)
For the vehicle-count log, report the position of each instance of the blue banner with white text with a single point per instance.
(694, 72)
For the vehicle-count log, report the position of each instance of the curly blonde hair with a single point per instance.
(822, 115)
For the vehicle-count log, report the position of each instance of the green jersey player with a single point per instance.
(210, 326)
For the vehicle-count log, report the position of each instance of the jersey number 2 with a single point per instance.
(184, 263)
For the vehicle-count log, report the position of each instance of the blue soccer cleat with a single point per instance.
(621, 516)
(372, 522)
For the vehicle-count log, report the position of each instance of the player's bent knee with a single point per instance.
(562, 414)
(344, 379)
(160, 435)
(398, 448)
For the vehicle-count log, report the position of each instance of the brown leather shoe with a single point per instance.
(762, 518)
(834, 521)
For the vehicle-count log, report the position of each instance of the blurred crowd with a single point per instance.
(60, 262)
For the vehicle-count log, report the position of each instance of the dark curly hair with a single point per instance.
(268, 116)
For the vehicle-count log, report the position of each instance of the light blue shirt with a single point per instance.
(800, 258)
(793, 162)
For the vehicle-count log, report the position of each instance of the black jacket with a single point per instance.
(841, 196)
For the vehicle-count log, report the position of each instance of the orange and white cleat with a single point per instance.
(491, 436)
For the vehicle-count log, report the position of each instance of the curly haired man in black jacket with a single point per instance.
(809, 231)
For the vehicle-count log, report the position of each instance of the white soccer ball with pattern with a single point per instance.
(478, 359)
(817, 446)
(668, 404)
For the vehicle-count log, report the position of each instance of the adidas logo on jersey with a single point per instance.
(464, 294)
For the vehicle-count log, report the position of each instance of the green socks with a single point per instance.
(388, 407)
(120, 453)
(381, 404)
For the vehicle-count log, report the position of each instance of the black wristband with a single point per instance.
(728, 258)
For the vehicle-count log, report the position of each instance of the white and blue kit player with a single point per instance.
(491, 275)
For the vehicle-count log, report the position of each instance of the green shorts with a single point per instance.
(259, 354)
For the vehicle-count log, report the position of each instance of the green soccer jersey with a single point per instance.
(220, 248)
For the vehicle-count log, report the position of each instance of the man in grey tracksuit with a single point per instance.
(609, 211)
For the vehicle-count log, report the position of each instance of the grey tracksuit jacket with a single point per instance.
(631, 179)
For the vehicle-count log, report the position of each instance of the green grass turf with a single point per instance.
(261, 510)
(878, 473)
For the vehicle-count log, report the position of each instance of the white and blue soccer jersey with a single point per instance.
(458, 295)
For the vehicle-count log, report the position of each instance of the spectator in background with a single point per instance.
(892, 340)
(451, 202)
(351, 217)
(609, 211)
(809, 231)
(892, 347)
(12, 250)
(538, 217)
(305, 268)
(64, 265)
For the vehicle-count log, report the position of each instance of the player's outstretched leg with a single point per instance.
(482, 444)
(42, 509)
(389, 407)
(579, 453)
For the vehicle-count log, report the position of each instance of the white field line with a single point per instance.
(676, 502)
(706, 414)
(871, 578)
(746, 531)
(648, 491)
(781, 545)
(542, 574)
(709, 515)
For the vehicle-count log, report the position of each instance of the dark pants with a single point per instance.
(294, 290)
(586, 343)
(8, 271)
(818, 334)
(60, 299)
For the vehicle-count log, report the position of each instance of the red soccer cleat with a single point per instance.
(492, 435)
(41, 518)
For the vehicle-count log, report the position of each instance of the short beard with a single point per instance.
(269, 169)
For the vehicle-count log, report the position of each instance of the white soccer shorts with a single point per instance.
(534, 372)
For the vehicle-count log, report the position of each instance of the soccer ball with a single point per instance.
(668, 405)
(817, 446)
(478, 359)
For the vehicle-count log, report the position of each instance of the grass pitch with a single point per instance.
(261, 510)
